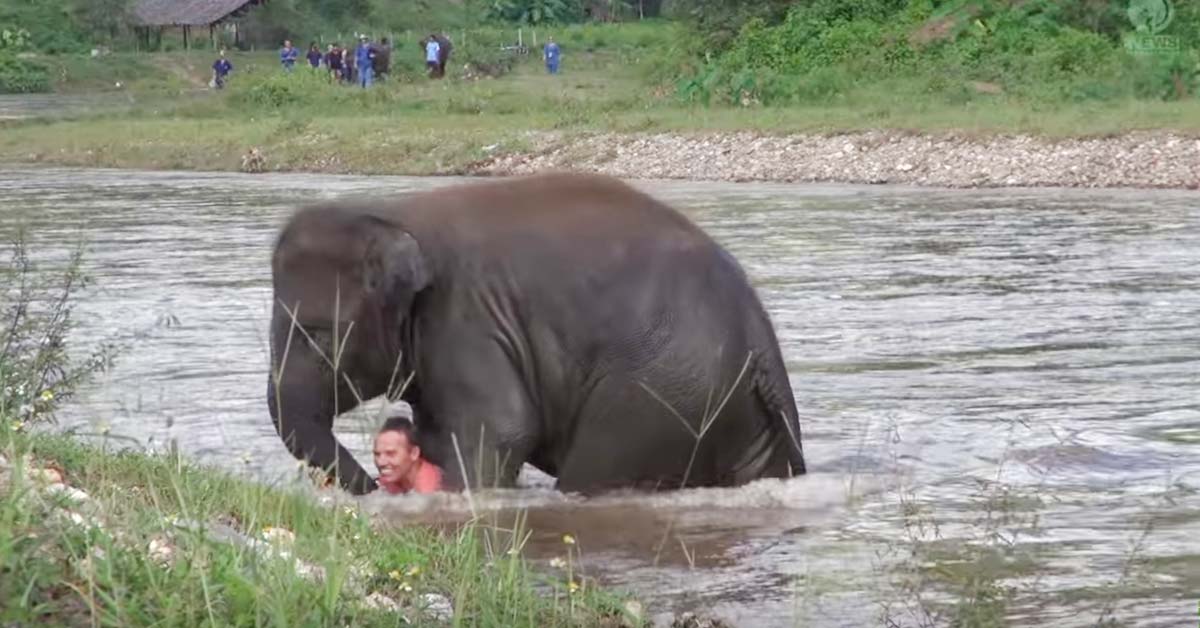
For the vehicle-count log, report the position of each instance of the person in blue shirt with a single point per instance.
(551, 53)
(433, 51)
(362, 60)
(288, 55)
(221, 69)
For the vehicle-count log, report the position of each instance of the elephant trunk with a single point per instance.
(301, 400)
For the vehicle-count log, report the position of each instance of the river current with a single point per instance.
(1004, 379)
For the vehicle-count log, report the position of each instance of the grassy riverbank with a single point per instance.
(94, 534)
(152, 537)
(616, 79)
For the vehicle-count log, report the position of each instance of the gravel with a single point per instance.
(1144, 159)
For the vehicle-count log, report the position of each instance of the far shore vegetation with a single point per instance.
(979, 68)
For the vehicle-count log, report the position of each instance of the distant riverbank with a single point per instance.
(1139, 159)
(1155, 159)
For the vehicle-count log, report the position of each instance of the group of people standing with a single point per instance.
(368, 62)
(361, 65)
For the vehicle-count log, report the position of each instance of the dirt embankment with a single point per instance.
(1152, 159)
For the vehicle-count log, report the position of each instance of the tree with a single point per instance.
(533, 11)
(103, 19)
(717, 22)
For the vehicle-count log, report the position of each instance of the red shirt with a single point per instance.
(427, 479)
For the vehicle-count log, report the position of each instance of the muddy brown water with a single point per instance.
(939, 342)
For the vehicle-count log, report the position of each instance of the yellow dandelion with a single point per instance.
(47, 395)
(395, 575)
(573, 586)
(18, 426)
(413, 571)
(406, 587)
(568, 539)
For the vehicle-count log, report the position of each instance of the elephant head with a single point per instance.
(344, 285)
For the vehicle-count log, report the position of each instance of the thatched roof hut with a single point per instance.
(189, 12)
(150, 14)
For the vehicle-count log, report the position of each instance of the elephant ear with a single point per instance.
(394, 269)
(330, 260)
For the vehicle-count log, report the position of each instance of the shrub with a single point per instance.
(35, 370)
(22, 76)
(278, 90)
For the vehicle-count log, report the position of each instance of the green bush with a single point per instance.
(278, 90)
(22, 76)
(1035, 50)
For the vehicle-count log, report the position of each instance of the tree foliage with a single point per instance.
(104, 20)
(534, 11)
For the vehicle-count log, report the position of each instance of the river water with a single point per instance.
(999, 382)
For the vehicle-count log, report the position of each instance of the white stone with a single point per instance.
(69, 492)
(437, 606)
(161, 550)
(381, 602)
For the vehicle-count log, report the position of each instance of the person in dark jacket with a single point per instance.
(314, 56)
(221, 69)
(383, 59)
(333, 62)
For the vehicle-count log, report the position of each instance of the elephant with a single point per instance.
(568, 321)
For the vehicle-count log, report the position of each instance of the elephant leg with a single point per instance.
(475, 416)
(626, 438)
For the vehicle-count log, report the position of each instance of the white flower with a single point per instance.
(557, 563)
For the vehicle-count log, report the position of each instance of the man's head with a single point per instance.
(287, 43)
(397, 450)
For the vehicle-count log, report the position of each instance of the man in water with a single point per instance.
(551, 53)
(398, 458)
(288, 55)
(221, 69)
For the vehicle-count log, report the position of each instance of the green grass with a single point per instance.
(616, 78)
(420, 127)
(54, 570)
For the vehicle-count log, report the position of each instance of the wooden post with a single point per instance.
(534, 31)
(185, 37)
(212, 39)
(520, 42)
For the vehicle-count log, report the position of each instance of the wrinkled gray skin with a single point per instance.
(536, 316)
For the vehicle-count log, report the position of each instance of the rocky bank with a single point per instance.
(1151, 159)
